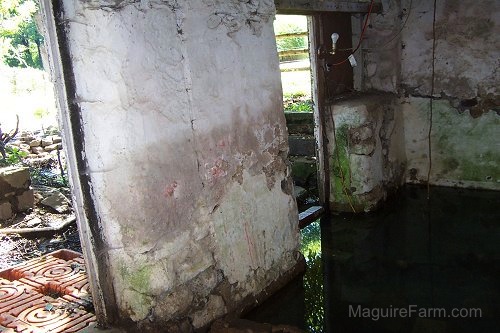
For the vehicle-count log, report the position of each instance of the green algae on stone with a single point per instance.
(340, 166)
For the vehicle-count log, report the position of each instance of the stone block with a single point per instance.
(24, 146)
(37, 150)
(304, 171)
(46, 142)
(27, 139)
(300, 123)
(15, 193)
(5, 211)
(13, 178)
(52, 147)
(364, 154)
(14, 143)
(25, 201)
(57, 201)
(35, 143)
(56, 139)
(215, 307)
(174, 303)
(302, 145)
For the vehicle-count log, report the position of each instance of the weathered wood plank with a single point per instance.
(293, 52)
(293, 34)
(309, 6)
(310, 215)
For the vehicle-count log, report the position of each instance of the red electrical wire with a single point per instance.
(360, 37)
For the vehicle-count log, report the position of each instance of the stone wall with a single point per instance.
(176, 111)
(465, 150)
(302, 157)
(15, 192)
(37, 146)
(466, 116)
(365, 151)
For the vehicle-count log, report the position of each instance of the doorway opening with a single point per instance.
(293, 45)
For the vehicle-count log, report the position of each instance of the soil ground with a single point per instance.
(16, 248)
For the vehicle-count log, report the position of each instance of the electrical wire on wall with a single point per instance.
(382, 47)
(341, 172)
(431, 101)
(360, 37)
(429, 138)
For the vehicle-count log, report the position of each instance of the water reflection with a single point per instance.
(414, 254)
(313, 282)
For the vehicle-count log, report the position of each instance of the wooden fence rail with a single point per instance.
(293, 34)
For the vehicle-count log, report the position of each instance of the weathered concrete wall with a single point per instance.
(467, 103)
(381, 49)
(186, 146)
(467, 49)
(366, 151)
(465, 150)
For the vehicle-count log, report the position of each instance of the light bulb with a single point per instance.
(335, 37)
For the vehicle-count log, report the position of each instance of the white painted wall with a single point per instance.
(368, 144)
(398, 58)
(186, 146)
(467, 48)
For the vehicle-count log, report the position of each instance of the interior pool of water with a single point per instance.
(416, 265)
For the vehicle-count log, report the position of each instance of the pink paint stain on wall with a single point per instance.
(170, 189)
(218, 170)
(250, 244)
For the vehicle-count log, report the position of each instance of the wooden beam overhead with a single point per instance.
(312, 6)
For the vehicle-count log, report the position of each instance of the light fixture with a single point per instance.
(335, 37)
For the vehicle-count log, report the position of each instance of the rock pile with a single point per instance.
(16, 195)
(36, 146)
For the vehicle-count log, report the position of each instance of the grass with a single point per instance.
(298, 82)
(297, 91)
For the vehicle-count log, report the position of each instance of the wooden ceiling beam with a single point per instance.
(311, 6)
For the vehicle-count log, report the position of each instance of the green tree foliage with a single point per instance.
(286, 24)
(313, 277)
(291, 43)
(20, 40)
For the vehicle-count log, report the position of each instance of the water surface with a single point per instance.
(425, 257)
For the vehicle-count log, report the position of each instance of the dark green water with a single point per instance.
(427, 258)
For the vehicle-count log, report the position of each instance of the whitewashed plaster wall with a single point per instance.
(186, 147)
(366, 151)
(467, 48)
(466, 119)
